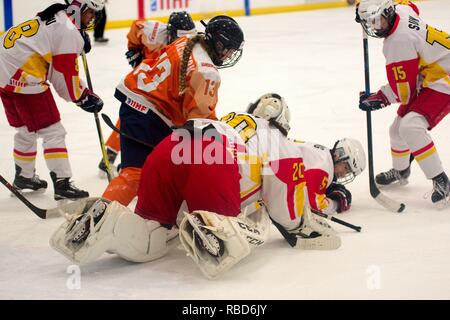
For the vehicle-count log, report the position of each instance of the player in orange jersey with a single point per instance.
(147, 39)
(159, 94)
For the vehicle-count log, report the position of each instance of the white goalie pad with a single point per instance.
(216, 242)
(109, 227)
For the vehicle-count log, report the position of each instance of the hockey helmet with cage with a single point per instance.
(225, 40)
(179, 24)
(377, 17)
(272, 107)
(350, 152)
(77, 9)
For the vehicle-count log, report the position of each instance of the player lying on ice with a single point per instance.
(235, 175)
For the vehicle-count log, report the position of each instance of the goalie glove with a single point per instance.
(372, 102)
(134, 57)
(338, 193)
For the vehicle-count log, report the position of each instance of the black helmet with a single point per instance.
(226, 39)
(179, 21)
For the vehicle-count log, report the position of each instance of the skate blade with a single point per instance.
(29, 192)
(392, 185)
(443, 204)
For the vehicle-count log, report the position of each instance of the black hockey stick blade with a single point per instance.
(339, 221)
(110, 124)
(41, 213)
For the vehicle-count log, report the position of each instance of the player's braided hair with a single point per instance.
(49, 12)
(199, 38)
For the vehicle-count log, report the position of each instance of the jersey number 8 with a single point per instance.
(26, 29)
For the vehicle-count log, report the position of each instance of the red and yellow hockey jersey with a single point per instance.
(36, 51)
(154, 84)
(417, 56)
(319, 174)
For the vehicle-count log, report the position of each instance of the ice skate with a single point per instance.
(65, 189)
(204, 239)
(441, 191)
(80, 227)
(393, 177)
(112, 155)
(25, 185)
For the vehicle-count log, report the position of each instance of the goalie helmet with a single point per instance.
(351, 153)
(272, 107)
(225, 40)
(377, 17)
(179, 21)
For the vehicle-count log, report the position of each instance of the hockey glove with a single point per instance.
(134, 57)
(87, 41)
(337, 192)
(372, 102)
(89, 102)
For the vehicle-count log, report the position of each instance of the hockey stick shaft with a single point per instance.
(339, 221)
(110, 124)
(41, 213)
(374, 191)
(97, 120)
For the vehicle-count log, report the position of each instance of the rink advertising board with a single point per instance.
(122, 12)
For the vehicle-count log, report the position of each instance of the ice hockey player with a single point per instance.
(181, 84)
(418, 68)
(146, 40)
(326, 171)
(38, 51)
(222, 169)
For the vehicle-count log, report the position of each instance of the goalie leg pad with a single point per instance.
(213, 241)
(116, 229)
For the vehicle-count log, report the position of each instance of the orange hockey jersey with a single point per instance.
(154, 85)
(150, 36)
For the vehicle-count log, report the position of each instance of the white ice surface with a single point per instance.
(315, 60)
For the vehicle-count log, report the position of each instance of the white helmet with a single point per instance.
(272, 107)
(96, 5)
(370, 13)
(350, 151)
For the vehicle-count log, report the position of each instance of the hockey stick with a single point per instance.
(97, 120)
(383, 200)
(342, 222)
(114, 128)
(41, 213)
